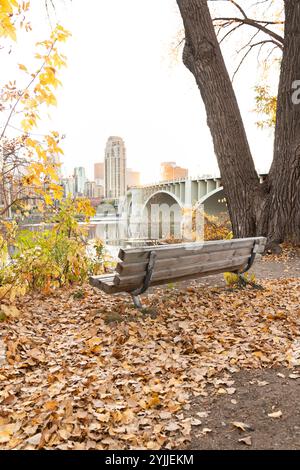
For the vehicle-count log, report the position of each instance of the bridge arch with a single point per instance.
(162, 191)
(170, 218)
(214, 202)
(162, 215)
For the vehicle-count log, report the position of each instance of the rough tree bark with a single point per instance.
(271, 209)
(284, 176)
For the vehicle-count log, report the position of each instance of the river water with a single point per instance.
(114, 232)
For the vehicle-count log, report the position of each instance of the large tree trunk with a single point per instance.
(284, 176)
(203, 57)
(272, 208)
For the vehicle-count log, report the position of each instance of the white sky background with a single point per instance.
(121, 81)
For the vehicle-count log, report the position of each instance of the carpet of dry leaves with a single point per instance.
(289, 252)
(93, 373)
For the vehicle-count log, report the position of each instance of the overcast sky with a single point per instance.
(122, 81)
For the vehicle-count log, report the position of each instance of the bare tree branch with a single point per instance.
(250, 47)
(229, 32)
(254, 23)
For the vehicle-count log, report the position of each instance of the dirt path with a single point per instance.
(258, 394)
(286, 267)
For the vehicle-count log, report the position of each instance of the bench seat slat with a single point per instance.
(112, 289)
(105, 283)
(179, 279)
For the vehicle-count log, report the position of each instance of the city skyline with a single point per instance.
(136, 175)
(167, 170)
(79, 183)
(111, 177)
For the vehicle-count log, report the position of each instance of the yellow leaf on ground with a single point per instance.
(6, 431)
(242, 426)
(51, 405)
(276, 414)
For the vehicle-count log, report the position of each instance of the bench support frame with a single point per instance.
(250, 261)
(137, 301)
(135, 294)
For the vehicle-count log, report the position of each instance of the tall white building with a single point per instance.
(69, 186)
(89, 190)
(115, 168)
(80, 180)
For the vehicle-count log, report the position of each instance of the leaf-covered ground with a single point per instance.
(83, 370)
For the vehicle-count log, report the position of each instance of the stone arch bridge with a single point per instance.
(181, 193)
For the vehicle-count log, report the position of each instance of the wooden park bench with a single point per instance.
(140, 268)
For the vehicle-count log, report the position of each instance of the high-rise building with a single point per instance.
(93, 190)
(90, 189)
(80, 180)
(99, 173)
(170, 171)
(68, 186)
(115, 168)
(99, 191)
(133, 178)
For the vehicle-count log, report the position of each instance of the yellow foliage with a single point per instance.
(60, 34)
(45, 76)
(215, 227)
(22, 67)
(231, 279)
(7, 10)
(51, 258)
(38, 160)
(83, 206)
(41, 175)
(234, 280)
(266, 105)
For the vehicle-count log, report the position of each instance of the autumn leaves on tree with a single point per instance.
(272, 208)
(29, 166)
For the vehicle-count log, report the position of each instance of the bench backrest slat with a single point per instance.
(131, 255)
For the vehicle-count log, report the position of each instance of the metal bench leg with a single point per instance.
(137, 301)
(135, 294)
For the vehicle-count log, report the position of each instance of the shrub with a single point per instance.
(53, 257)
(49, 259)
(234, 280)
(217, 227)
